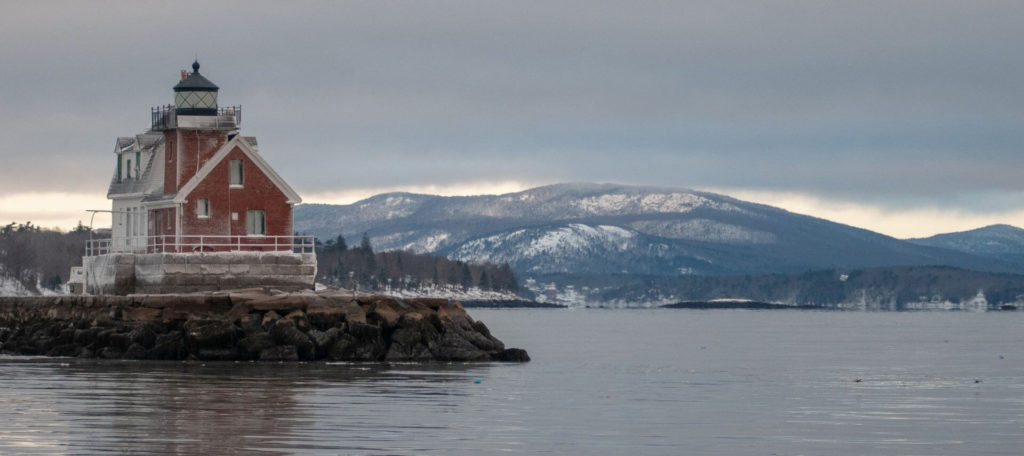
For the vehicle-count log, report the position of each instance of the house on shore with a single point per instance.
(196, 208)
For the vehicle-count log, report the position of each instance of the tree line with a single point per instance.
(890, 287)
(36, 257)
(360, 267)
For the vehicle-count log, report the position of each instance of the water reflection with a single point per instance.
(601, 383)
(213, 408)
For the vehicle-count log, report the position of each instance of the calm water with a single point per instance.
(612, 382)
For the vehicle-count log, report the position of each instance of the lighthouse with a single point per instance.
(191, 190)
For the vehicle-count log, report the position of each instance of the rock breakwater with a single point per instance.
(248, 325)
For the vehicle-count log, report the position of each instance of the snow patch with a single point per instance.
(452, 293)
(703, 230)
(427, 244)
(11, 287)
(651, 203)
(577, 237)
(563, 242)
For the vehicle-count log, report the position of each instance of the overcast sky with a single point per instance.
(905, 117)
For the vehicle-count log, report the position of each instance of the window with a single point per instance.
(203, 208)
(256, 223)
(119, 168)
(138, 164)
(235, 178)
(129, 168)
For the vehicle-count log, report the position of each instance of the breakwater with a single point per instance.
(248, 325)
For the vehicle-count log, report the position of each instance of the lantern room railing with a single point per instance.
(166, 118)
(200, 243)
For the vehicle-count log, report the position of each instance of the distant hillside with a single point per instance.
(401, 271)
(1002, 242)
(889, 288)
(34, 260)
(601, 229)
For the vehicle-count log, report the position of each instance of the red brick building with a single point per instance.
(196, 208)
(193, 183)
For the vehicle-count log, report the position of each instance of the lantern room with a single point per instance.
(195, 95)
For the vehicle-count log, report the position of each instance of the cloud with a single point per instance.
(350, 196)
(915, 222)
(896, 105)
(54, 209)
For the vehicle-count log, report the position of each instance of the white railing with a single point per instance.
(200, 243)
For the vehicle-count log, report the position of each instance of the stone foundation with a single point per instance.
(247, 325)
(156, 273)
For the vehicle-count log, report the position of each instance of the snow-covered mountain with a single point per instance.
(1003, 242)
(614, 229)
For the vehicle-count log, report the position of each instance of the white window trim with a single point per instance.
(264, 224)
(200, 215)
(241, 174)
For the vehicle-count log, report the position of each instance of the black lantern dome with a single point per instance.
(195, 95)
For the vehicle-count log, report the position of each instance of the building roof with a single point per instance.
(153, 197)
(124, 142)
(196, 82)
(146, 181)
(149, 139)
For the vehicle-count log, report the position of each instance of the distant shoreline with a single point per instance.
(757, 305)
(509, 304)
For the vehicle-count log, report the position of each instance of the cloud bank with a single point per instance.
(890, 105)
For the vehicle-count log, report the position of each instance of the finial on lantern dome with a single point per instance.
(195, 66)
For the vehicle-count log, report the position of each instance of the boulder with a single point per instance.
(284, 303)
(251, 323)
(284, 332)
(354, 313)
(143, 336)
(512, 355)
(85, 337)
(111, 353)
(452, 347)
(325, 316)
(299, 318)
(360, 342)
(135, 351)
(475, 333)
(386, 313)
(204, 334)
(323, 340)
(250, 346)
(281, 353)
(118, 340)
(451, 311)
(270, 318)
(64, 350)
(412, 339)
(141, 314)
(170, 345)
(238, 312)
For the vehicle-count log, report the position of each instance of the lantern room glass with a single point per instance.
(191, 99)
